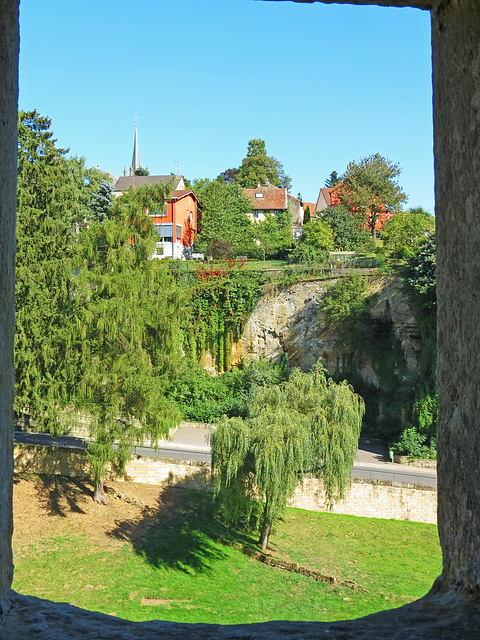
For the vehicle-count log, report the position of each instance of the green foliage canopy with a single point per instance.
(346, 300)
(206, 398)
(419, 279)
(307, 425)
(224, 217)
(348, 233)
(258, 167)
(318, 233)
(369, 188)
(53, 195)
(403, 234)
(126, 334)
(274, 234)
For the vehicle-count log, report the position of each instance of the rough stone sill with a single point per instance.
(439, 616)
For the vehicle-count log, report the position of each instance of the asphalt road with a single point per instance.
(191, 443)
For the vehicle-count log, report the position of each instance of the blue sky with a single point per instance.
(321, 84)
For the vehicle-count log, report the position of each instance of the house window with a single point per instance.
(255, 213)
(166, 231)
(259, 195)
(276, 212)
(179, 231)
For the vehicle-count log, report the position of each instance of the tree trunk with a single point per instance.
(99, 495)
(265, 533)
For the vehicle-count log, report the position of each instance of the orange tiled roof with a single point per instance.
(267, 197)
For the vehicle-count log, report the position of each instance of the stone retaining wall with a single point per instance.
(372, 499)
(368, 498)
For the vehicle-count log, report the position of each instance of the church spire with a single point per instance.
(135, 157)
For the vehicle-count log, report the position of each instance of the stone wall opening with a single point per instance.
(451, 610)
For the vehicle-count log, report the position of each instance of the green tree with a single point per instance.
(403, 234)
(274, 234)
(308, 425)
(101, 201)
(307, 254)
(53, 195)
(228, 175)
(369, 189)
(420, 281)
(348, 233)
(307, 215)
(346, 301)
(332, 180)
(318, 234)
(126, 334)
(258, 167)
(419, 278)
(224, 217)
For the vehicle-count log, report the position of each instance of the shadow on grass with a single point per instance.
(60, 495)
(182, 531)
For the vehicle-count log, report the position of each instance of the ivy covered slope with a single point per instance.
(401, 401)
(220, 302)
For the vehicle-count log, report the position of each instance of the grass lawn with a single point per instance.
(180, 565)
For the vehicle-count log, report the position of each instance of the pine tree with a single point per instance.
(53, 193)
(308, 425)
(101, 201)
(332, 180)
(126, 333)
(258, 167)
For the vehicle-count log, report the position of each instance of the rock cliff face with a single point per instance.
(289, 321)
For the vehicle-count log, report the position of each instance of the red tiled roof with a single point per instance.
(311, 205)
(181, 193)
(265, 198)
(327, 194)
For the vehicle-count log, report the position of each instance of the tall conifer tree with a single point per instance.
(53, 194)
(126, 333)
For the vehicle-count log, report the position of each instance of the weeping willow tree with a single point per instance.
(126, 338)
(308, 425)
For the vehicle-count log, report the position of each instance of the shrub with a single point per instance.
(307, 254)
(409, 443)
(412, 443)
